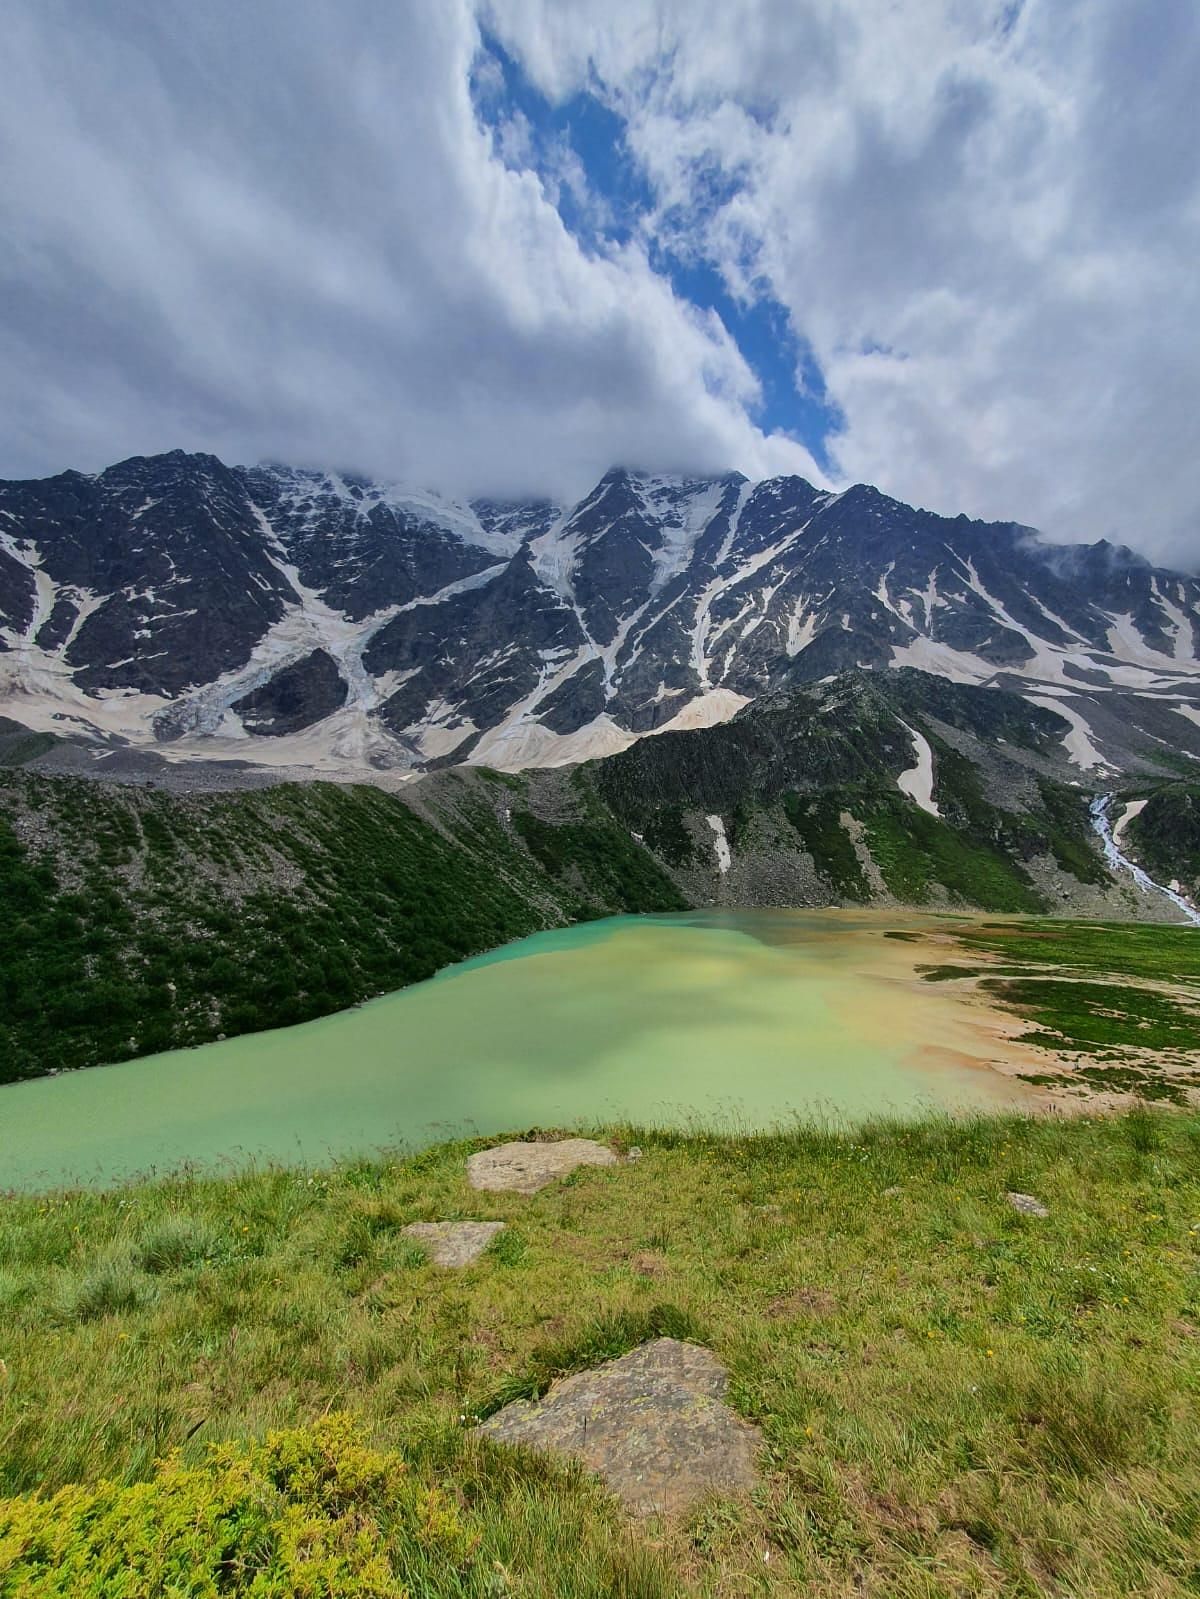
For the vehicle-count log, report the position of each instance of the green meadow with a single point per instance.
(256, 1385)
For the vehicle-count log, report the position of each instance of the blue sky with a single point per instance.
(618, 204)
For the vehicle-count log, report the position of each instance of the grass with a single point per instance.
(817, 819)
(918, 853)
(956, 1399)
(1122, 949)
(1165, 837)
(600, 857)
(1100, 1015)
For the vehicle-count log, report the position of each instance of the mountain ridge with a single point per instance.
(299, 619)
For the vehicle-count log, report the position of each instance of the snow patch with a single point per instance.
(512, 748)
(720, 844)
(917, 782)
(679, 539)
(421, 504)
(1183, 647)
(960, 666)
(1134, 808)
(1078, 739)
(802, 625)
(1127, 643)
(706, 710)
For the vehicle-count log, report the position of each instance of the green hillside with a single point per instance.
(827, 762)
(1165, 836)
(955, 1398)
(142, 921)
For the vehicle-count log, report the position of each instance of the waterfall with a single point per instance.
(1102, 822)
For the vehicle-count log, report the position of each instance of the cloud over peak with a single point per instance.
(946, 248)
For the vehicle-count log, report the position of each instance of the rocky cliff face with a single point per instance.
(300, 618)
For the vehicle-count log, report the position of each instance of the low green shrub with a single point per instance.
(311, 1512)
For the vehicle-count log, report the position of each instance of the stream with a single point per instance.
(1119, 861)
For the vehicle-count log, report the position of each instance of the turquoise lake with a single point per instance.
(743, 1019)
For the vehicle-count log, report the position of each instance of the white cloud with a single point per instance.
(1001, 202)
(278, 230)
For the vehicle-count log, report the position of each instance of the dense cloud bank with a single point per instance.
(283, 230)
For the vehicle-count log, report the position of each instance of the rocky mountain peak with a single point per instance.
(289, 615)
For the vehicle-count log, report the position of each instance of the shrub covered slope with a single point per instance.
(142, 920)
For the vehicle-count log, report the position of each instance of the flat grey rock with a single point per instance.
(1026, 1204)
(454, 1243)
(653, 1424)
(521, 1168)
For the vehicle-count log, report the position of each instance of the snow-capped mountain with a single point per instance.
(299, 618)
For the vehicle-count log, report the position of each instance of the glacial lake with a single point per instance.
(743, 1020)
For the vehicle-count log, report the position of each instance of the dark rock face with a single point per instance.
(483, 652)
(295, 697)
(281, 595)
(359, 550)
(170, 548)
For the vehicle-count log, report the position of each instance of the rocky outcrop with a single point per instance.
(297, 696)
(523, 1168)
(655, 1425)
(454, 1243)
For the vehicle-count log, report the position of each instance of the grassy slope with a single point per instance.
(145, 921)
(173, 920)
(956, 1399)
(806, 760)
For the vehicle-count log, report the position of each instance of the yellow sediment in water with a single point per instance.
(747, 1019)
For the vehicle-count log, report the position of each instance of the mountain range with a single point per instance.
(298, 619)
(678, 693)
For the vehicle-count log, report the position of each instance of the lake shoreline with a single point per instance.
(746, 1019)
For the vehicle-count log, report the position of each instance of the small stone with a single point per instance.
(633, 1154)
(521, 1168)
(1026, 1204)
(454, 1243)
(653, 1424)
